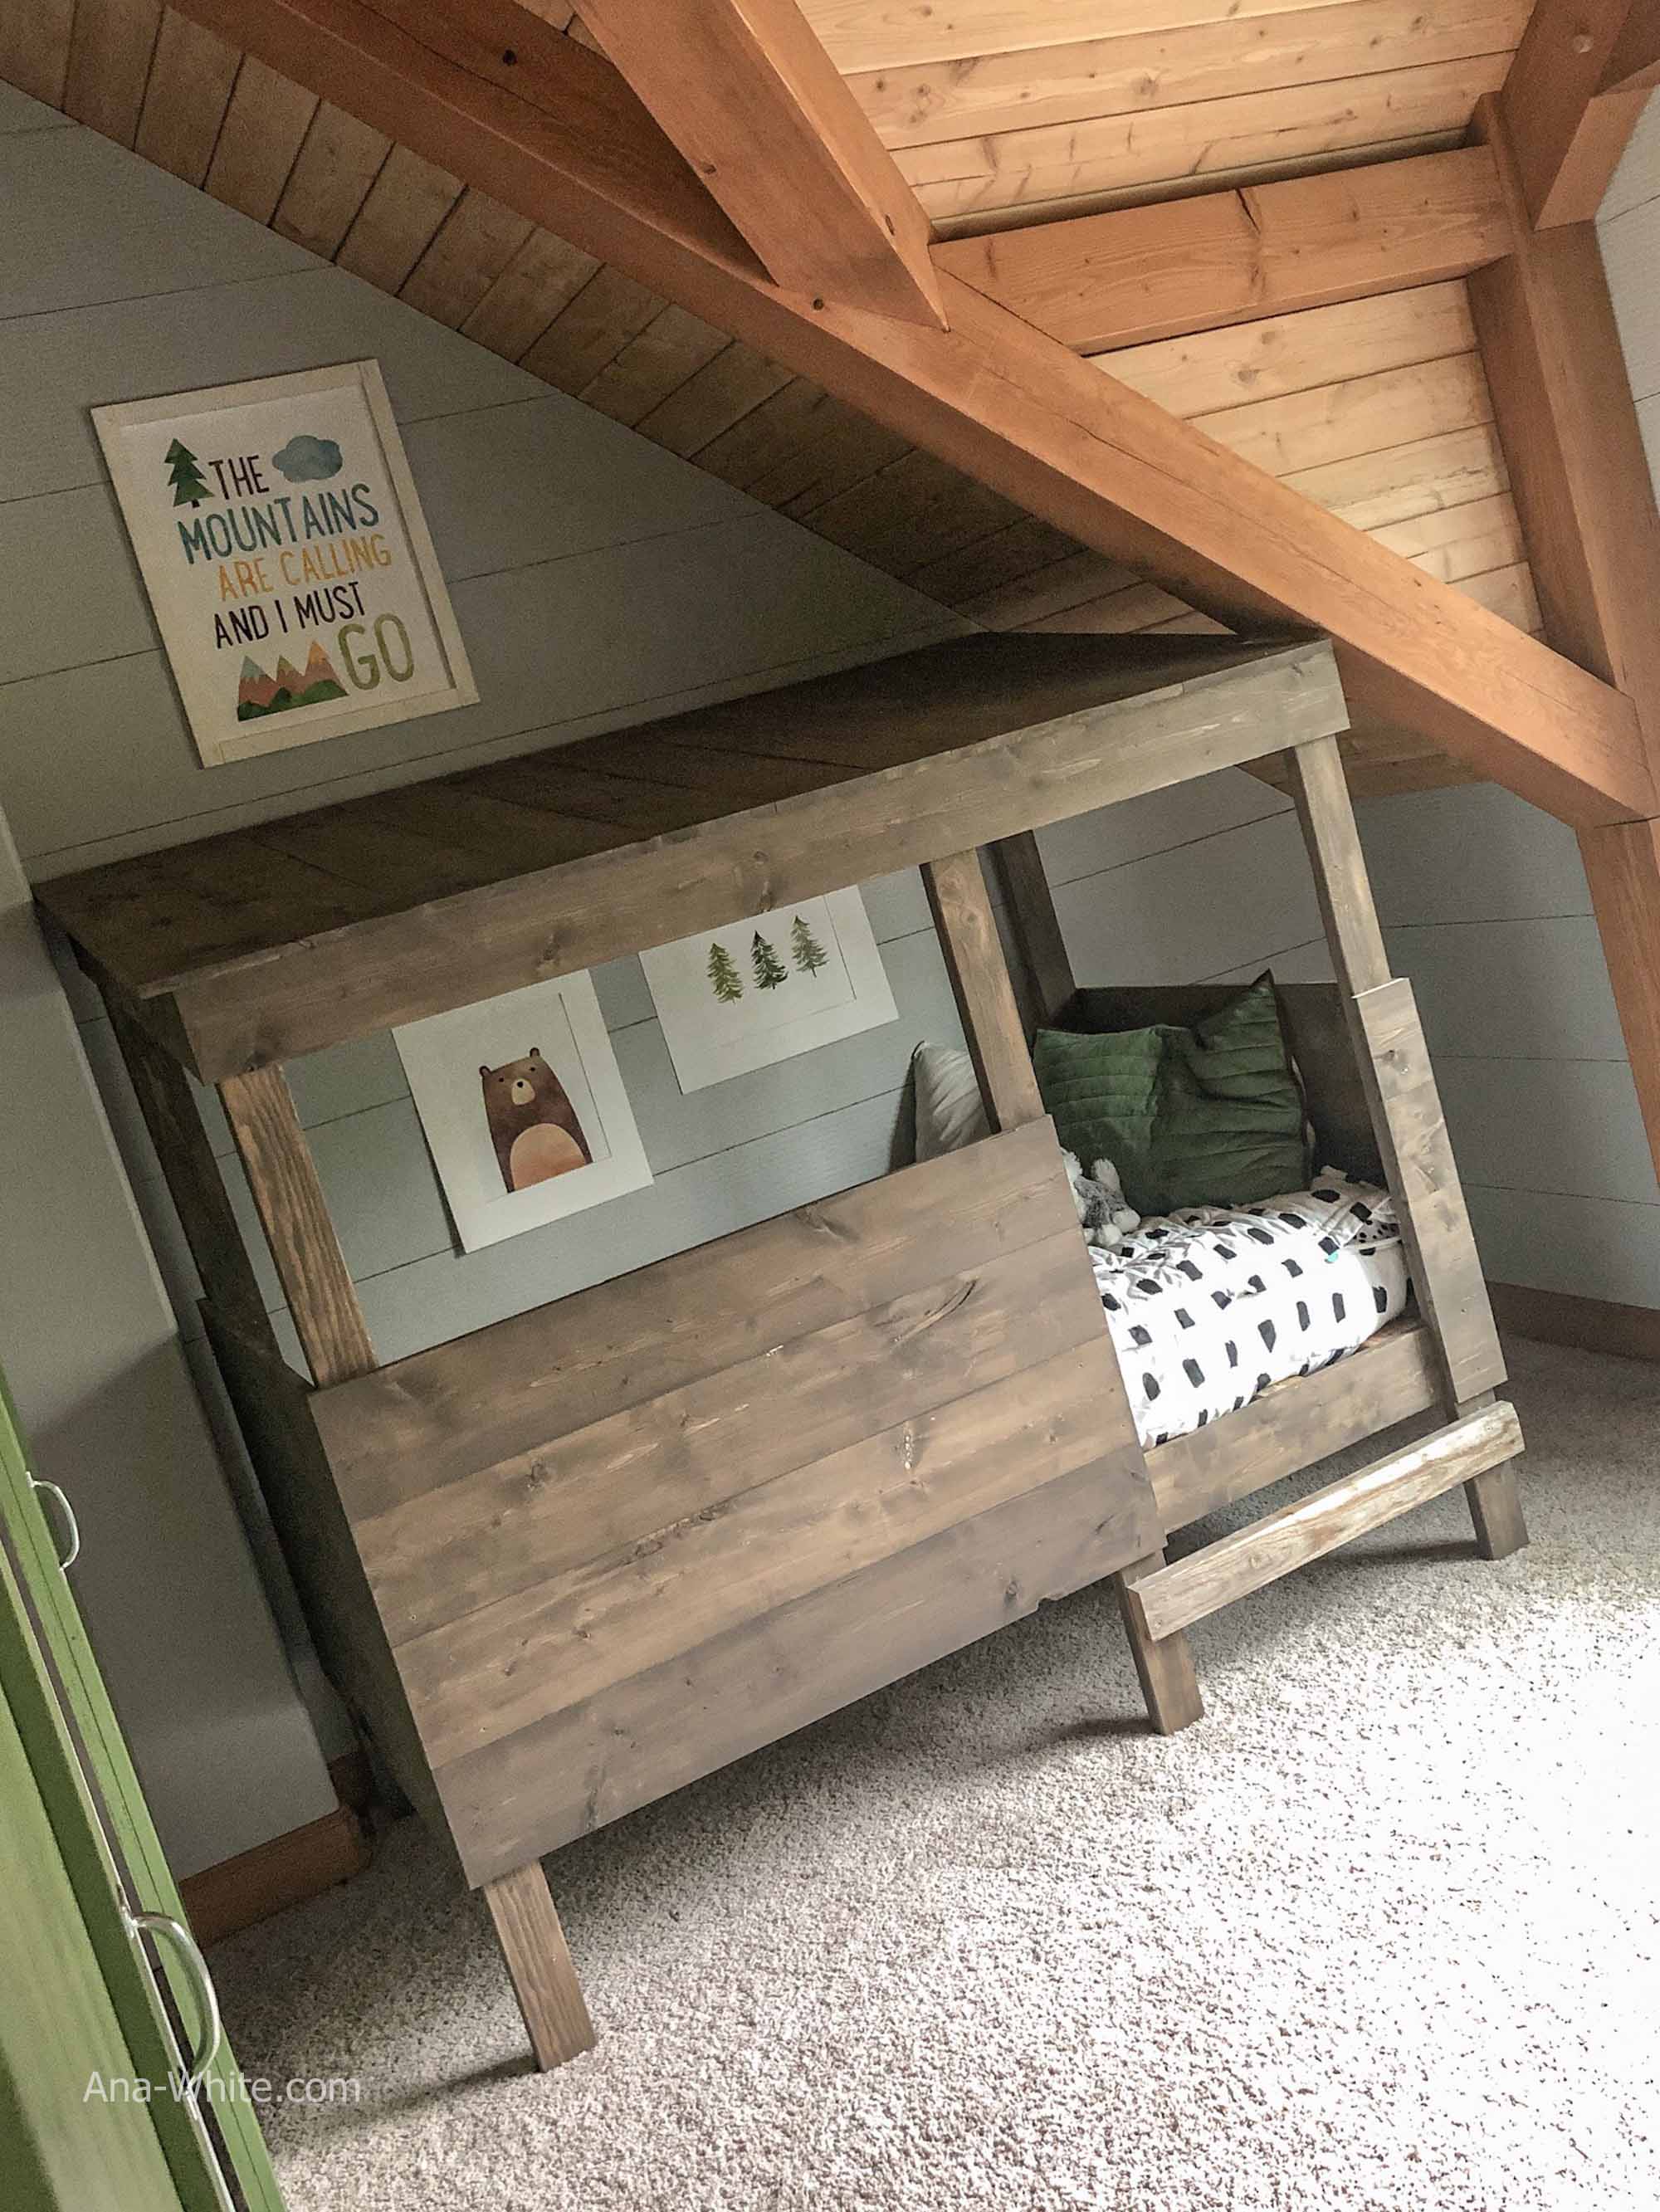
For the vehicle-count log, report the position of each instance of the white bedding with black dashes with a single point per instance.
(1209, 1306)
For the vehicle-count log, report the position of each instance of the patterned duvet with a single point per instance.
(1209, 1306)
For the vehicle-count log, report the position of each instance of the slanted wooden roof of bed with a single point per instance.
(250, 948)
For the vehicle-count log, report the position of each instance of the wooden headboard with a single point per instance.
(1314, 1022)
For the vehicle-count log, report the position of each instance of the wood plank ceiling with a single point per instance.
(998, 111)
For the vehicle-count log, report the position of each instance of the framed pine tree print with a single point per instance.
(288, 562)
(769, 987)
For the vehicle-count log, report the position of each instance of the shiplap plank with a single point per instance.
(1590, 1248)
(259, 140)
(1403, 481)
(190, 79)
(1507, 592)
(1471, 855)
(653, 366)
(61, 363)
(473, 245)
(1531, 989)
(1107, 154)
(592, 330)
(109, 62)
(398, 219)
(35, 48)
(766, 434)
(86, 224)
(714, 401)
(1129, 70)
(873, 34)
(337, 164)
(540, 278)
(1453, 543)
(1217, 369)
(1630, 247)
(1359, 414)
(1510, 1118)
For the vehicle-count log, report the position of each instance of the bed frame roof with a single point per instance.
(277, 939)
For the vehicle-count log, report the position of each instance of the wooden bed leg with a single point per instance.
(540, 1965)
(1495, 1507)
(1164, 1663)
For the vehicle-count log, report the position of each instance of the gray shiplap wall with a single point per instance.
(1486, 907)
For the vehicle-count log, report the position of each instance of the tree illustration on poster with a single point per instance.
(190, 486)
(725, 980)
(808, 954)
(283, 549)
(769, 969)
(768, 986)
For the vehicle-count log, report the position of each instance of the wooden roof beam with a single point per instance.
(1575, 89)
(1634, 64)
(749, 94)
(1160, 271)
(990, 396)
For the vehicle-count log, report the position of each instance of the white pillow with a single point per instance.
(950, 1112)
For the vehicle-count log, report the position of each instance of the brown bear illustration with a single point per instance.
(532, 1123)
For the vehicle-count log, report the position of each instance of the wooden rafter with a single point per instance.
(1571, 99)
(1195, 264)
(1581, 479)
(1634, 64)
(756, 106)
(990, 396)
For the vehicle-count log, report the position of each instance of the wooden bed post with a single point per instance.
(985, 999)
(980, 983)
(323, 1300)
(1412, 1135)
(1034, 925)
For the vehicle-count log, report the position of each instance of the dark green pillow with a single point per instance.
(1210, 1116)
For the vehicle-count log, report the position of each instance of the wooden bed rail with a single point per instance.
(1178, 1596)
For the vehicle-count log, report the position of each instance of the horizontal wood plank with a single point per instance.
(397, 1437)
(1178, 1596)
(1392, 1376)
(1147, 273)
(570, 1774)
(727, 1524)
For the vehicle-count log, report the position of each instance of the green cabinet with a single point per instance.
(105, 2010)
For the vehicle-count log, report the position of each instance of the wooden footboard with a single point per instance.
(620, 1540)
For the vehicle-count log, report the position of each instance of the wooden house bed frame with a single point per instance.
(562, 1565)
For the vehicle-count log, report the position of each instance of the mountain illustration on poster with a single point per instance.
(259, 693)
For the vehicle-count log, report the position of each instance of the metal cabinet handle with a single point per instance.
(66, 1559)
(213, 2032)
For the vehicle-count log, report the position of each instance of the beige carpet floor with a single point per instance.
(1380, 1933)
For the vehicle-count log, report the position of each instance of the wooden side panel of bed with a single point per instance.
(624, 1539)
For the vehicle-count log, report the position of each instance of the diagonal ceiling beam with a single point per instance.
(1634, 64)
(751, 99)
(1177, 266)
(990, 395)
(1571, 99)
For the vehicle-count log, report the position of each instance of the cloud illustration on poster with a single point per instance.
(308, 460)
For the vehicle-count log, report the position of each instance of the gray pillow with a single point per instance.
(950, 1112)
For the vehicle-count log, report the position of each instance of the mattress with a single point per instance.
(1209, 1306)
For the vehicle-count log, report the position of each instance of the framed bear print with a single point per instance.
(524, 1109)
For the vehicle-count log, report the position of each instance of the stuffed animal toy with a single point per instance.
(1100, 1198)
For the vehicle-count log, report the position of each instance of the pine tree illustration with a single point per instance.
(769, 969)
(190, 486)
(725, 980)
(808, 954)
